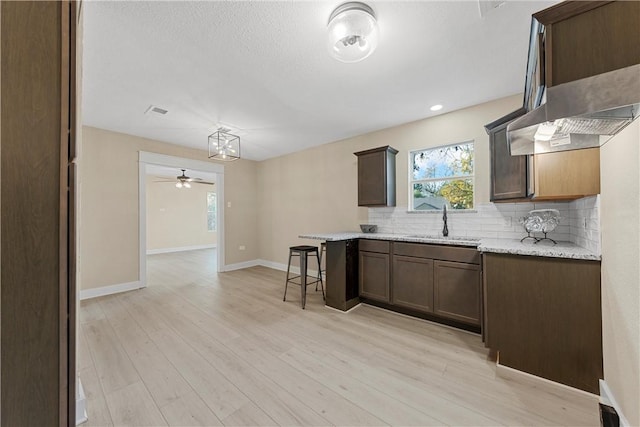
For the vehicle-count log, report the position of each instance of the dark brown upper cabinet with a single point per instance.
(377, 176)
(586, 38)
(509, 174)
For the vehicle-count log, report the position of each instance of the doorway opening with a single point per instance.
(153, 165)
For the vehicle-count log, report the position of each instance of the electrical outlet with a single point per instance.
(242, 247)
(228, 204)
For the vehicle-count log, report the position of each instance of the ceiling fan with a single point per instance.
(183, 181)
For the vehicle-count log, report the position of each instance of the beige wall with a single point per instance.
(109, 206)
(620, 224)
(177, 217)
(315, 190)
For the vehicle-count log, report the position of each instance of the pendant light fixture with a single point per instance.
(353, 32)
(224, 146)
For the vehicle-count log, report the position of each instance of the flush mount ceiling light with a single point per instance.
(224, 146)
(353, 32)
(436, 107)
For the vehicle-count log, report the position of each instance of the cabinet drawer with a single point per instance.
(445, 253)
(379, 246)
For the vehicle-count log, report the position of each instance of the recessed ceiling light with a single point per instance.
(436, 107)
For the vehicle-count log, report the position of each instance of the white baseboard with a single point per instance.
(606, 397)
(108, 290)
(283, 267)
(241, 265)
(274, 265)
(506, 372)
(268, 264)
(81, 405)
(179, 249)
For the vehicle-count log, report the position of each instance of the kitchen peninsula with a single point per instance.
(538, 305)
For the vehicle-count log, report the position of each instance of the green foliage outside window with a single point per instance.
(211, 211)
(442, 176)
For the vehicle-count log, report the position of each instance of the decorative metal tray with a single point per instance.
(540, 221)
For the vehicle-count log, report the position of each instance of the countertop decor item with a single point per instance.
(368, 228)
(540, 221)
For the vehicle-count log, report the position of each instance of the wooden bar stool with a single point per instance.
(303, 252)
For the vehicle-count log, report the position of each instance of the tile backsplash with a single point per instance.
(580, 221)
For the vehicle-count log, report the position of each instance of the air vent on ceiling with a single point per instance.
(157, 110)
(487, 6)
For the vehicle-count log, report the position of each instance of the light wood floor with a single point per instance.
(201, 348)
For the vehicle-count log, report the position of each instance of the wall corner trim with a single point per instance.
(109, 290)
(607, 398)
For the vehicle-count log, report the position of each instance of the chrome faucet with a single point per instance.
(445, 229)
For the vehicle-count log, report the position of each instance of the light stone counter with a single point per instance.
(438, 240)
(543, 249)
(502, 246)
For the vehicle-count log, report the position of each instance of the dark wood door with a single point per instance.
(508, 173)
(456, 291)
(413, 283)
(374, 275)
(37, 136)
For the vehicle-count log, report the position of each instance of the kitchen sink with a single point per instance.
(436, 237)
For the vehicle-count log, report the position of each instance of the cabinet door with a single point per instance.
(413, 283)
(372, 179)
(457, 291)
(568, 174)
(374, 275)
(508, 173)
(545, 317)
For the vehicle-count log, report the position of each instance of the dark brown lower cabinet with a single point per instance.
(374, 275)
(543, 316)
(441, 283)
(457, 291)
(413, 283)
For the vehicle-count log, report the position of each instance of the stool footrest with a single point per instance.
(291, 280)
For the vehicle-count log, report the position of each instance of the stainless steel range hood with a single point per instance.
(580, 114)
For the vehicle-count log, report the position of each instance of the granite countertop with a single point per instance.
(544, 249)
(502, 246)
(414, 238)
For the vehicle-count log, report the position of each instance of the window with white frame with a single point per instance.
(441, 176)
(211, 211)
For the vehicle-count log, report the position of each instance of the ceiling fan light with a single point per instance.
(186, 185)
(353, 32)
(178, 184)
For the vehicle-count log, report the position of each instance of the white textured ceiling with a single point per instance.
(262, 68)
